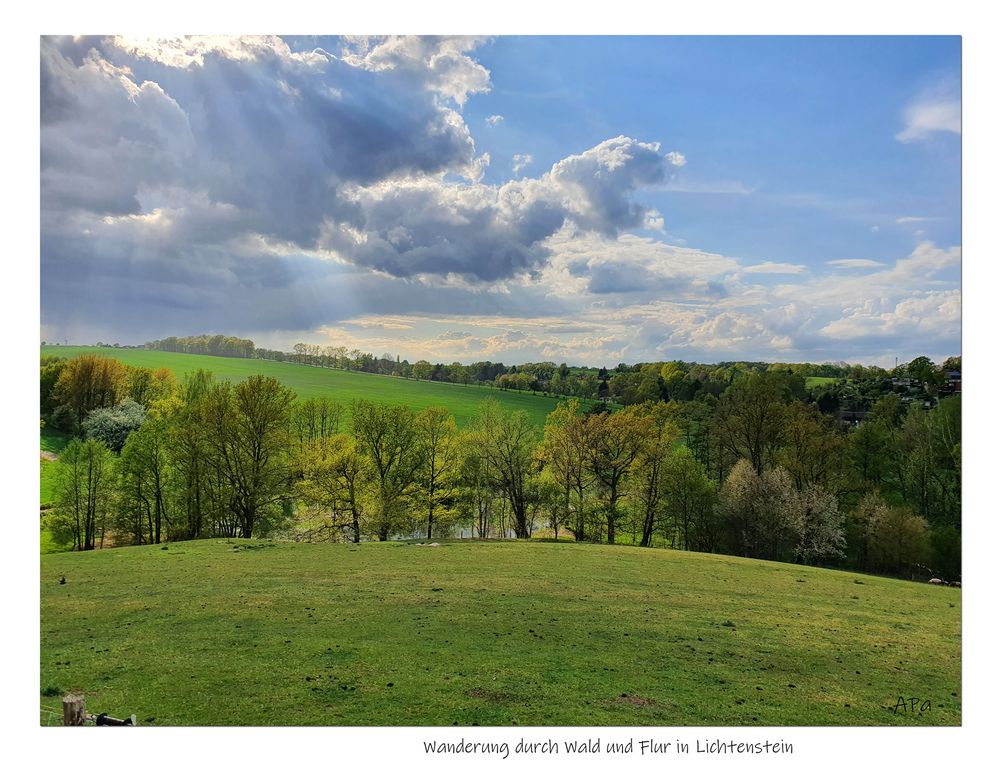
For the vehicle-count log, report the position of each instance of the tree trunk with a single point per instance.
(355, 519)
(612, 510)
(520, 520)
(159, 511)
(647, 530)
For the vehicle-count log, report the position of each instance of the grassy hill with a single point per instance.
(344, 386)
(490, 633)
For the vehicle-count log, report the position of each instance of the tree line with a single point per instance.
(757, 471)
(206, 344)
(626, 384)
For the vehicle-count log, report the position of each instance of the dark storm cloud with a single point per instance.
(488, 234)
(246, 182)
(274, 136)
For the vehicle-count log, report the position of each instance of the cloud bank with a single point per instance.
(294, 189)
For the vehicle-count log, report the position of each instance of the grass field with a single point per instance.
(47, 544)
(53, 442)
(490, 633)
(343, 386)
(46, 489)
(819, 381)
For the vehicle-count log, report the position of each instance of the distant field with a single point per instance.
(218, 632)
(53, 441)
(344, 386)
(47, 469)
(819, 381)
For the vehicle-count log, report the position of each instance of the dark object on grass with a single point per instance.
(106, 720)
(62, 580)
(51, 691)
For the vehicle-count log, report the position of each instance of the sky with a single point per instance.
(588, 200)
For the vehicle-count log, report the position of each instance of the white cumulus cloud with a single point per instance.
(937, 109)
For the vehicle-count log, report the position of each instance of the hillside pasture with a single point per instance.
(223, 632)
(343, 386)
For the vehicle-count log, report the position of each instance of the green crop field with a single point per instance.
(818, 381)
(343, 386)
(491, 633)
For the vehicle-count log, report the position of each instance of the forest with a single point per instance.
(757, 469)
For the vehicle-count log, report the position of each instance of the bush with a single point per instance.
(60, 526)
(63, 419)
(900, 541)
(112, 426)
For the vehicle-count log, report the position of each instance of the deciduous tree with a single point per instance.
(387, 437)
(749, 418)
(506, 442)
(615, 441)
(248, 428)
(437, 440)
(759, 510)
(83, 493)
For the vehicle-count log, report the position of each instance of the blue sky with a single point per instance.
(808, 123)
(579, 199)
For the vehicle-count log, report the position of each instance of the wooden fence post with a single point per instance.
(74, 710)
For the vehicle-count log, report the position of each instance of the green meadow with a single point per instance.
(819, 381)
(342, 386)
(51, 442)
(489, 633)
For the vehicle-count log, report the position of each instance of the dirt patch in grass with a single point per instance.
(492, 695)
(635, 700)
(48, 455)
